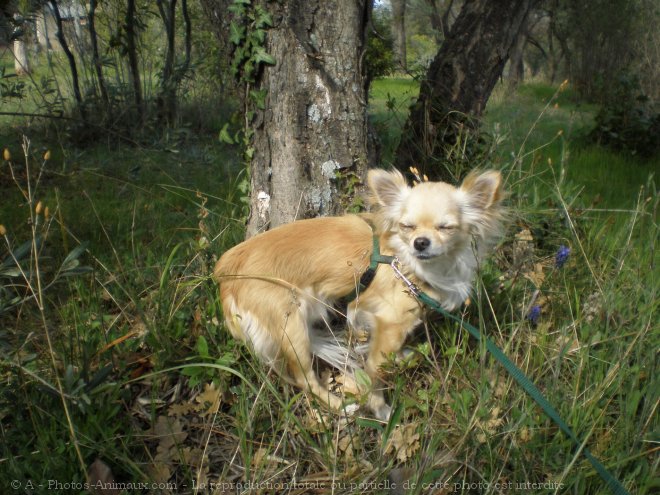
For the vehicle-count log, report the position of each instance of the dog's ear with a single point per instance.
(388, 188)
(483, 190)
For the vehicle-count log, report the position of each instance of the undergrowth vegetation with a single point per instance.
(116, 366)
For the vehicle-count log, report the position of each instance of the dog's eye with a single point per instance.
(406, 226)
(446, 227)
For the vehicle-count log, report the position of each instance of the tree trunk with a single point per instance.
(399, 33)
(96, 59)
(69, 55)
(459, 82)
(516, 60)
(440, 13)
(133, 65)
(21, 63)
(555, 32)
(311, 139)
(167, 96)
(216, 13)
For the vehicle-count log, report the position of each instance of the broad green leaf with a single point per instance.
(224, 136)
(236, 33)
(202, 347)
(71, 261)
(262, 57)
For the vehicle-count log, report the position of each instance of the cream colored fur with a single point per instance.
(277, 287)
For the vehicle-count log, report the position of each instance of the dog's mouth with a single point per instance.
(424, 255)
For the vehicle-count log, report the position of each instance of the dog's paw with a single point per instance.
(383, 412)
(351, 409)
(407, 353)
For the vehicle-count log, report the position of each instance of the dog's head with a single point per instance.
(435, 219)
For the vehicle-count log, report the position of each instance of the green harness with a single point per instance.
(375, 260)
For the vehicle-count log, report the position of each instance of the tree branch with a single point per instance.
(69, 55)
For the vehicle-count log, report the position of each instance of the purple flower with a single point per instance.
(534, 314)
(562, 256)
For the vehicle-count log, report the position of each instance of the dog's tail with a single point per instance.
(334, 349)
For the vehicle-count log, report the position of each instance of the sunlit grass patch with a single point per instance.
(389, 102)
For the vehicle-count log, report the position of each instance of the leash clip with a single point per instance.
(395, 264)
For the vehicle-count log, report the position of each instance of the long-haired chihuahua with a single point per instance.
(279, 287)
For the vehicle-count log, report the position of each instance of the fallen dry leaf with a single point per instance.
(160, 472)
(209, 400)
(181, 409)
(489, 426)
(404, 441)
(101, 479)
(536, 275)
(169, 432)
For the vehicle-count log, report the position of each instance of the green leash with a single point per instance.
(531, 389)
(527, 385)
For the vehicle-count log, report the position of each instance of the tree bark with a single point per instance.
(516, 59)
(187, 43)
(96, 59)
(459, 82)
(167, 96)
(312, 136)
(69, 55)
(440, 12)
(216, 13)
(399, 33)
(21, 62)
(133, 65)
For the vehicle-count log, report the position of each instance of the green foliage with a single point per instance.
(421, 51)
(9, 87)
(379, 55)
(605, 38)
(27, 270)
(628, 121)
(148, 305)
(248, 35)
(17, 272)
(248, 30)
(112, 110)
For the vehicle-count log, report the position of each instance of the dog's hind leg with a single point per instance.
(287, 347)
(295, 352)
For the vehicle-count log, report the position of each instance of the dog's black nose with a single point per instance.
(421, 243)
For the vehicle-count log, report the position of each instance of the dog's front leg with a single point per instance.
(386, 338)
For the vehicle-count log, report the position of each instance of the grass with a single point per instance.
(123, 358)
(538, 123)
(389, 100)
(144, 221)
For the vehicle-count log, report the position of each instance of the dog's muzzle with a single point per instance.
(421, 243)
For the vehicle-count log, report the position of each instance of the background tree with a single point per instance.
(647, 49)
(132, 55)
(459, 82)
(432, 17)
(379, 56)
(13, 31)
(601, 40)
(21, 60)
(602, 37)
(96, 58)
(173, 74)
(399, 33)
(73, 66)
(301, 64)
